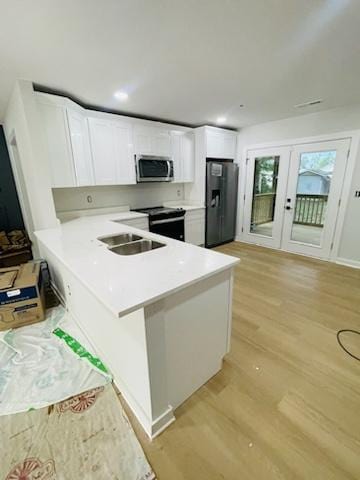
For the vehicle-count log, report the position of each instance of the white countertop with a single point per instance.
(127, 283)
(185, 206)
(119, 215)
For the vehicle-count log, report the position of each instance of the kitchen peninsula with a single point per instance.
(160, 319)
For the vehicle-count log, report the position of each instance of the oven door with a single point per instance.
(169, 227)
(154, 169)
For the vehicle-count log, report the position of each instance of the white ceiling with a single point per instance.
(187, 61)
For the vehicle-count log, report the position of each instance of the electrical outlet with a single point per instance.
(178, 192)
(89, 199)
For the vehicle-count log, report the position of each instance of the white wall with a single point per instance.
(322, 123)
(26, 144)
(136, 196)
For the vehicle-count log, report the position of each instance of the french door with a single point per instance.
(293, 196)
(266, 180)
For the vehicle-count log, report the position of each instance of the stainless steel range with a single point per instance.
(166, 221)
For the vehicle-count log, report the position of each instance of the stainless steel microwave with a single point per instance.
(150, 168)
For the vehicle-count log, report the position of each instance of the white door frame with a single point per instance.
(353, 135)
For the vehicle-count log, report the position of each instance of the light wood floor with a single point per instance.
(287, 403)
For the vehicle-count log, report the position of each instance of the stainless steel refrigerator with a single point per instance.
(221, 201)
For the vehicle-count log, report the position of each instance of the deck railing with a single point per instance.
(263, 208)
(309, 209)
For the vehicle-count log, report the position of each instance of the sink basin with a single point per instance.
(136, 247)
(119, 239)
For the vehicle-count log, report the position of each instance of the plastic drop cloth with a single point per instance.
(46, 363)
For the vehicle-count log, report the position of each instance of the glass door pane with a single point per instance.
(266, 171)
(313, 185)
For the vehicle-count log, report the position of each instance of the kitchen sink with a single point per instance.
(134, 248)
(119, 239)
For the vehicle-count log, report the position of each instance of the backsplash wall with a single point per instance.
(136, 196)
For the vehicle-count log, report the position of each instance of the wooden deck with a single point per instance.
(286, 404)
(300, 233)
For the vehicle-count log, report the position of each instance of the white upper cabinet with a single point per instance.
(55, 125)
(79, 138)
(111, 148)
(103, 150)
(124, 153)
(176, 156)
(161, 142)
(188, 156)
(183, 155)
(87, 148)
(220, 143)
(152, 141)
(229, 145)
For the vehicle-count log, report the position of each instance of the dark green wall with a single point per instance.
(10, 213)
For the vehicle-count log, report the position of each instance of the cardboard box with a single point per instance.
(24, 302)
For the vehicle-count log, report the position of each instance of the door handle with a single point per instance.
(287, 207)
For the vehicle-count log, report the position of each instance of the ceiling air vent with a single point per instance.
(308, 104)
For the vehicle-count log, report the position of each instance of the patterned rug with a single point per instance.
(86, 437)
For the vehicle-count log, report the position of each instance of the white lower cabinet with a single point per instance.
(195, 226)
(111, 148)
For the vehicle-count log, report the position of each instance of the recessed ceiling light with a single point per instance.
(308, 104)
(221, 120)
(121, 96)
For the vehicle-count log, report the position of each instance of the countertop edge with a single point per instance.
(139, 305)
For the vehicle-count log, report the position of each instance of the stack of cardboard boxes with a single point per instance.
(22, 296)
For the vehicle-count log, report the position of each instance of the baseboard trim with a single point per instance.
(162, 422)
(347, 263)
(152, 427)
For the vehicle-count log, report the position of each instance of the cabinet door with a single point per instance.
(58, 144)
(161, 142)
(79, 137)
(142, 140)
(124, 154)
(188, 156)
(214, 142)
(152, 141)
(229, 146)
(103, 150)
(176, 156)
(220, 144)
(195, 227)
